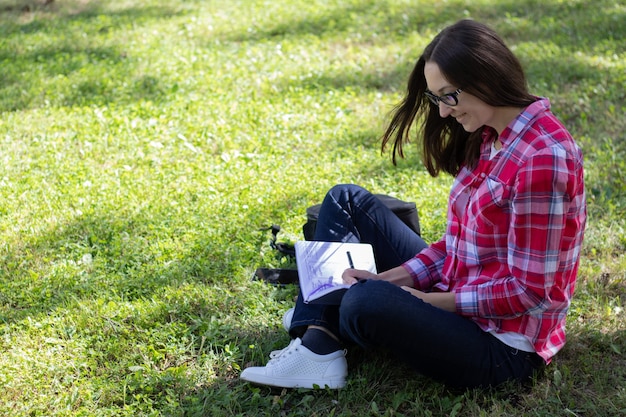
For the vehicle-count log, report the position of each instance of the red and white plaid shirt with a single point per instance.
(514, 234)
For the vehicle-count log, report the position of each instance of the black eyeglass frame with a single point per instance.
(450, 99)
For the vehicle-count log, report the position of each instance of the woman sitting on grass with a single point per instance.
(487, 303)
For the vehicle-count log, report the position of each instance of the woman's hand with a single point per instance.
(352, 276)
(443, 300)
(397, 276)
(419, 294)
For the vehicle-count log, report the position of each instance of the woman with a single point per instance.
(486, 303)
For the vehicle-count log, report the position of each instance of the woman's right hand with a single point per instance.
(352, 276)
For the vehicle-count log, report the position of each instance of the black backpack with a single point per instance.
(406, 211)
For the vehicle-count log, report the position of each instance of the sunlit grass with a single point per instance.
(145, 144)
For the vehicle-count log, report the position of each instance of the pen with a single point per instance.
(350, 260)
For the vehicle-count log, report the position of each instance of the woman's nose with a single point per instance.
(444, 110)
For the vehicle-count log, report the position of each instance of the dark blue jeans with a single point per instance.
(377, 314)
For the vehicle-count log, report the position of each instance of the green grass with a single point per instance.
(145, 143)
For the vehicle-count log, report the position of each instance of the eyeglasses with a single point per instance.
(451, 99)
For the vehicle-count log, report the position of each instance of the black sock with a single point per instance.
(320, 342)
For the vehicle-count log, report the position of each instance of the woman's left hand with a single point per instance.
(443, 300)
(419, 294)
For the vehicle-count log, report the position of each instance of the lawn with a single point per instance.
(146, 145)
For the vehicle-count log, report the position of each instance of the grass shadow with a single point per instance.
(536, 22)
(33, 16)
(77, 68)
(105, 256)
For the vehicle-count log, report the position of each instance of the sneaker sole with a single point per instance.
(296, 383)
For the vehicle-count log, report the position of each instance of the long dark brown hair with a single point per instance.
(473, 57)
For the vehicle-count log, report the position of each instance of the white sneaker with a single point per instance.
(277, 353)
(298, 367)
(287, 317)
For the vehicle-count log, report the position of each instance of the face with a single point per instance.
(471, 112)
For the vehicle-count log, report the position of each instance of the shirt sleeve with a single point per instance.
(543, 190)
(425, 268)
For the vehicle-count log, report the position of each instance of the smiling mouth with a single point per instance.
(459, 117)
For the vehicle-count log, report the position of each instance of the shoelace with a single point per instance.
(276, 353)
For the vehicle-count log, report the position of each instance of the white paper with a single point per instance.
(321, 264)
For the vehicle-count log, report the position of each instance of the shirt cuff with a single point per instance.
(415, 268)
(466, 299)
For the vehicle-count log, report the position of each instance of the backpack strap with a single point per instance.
(286, 249)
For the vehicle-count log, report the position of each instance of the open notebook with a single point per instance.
(321, 264)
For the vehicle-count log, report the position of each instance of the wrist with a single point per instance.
(397, 276)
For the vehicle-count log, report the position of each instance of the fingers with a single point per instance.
(407, 289)
(350, 280)
(348, 277)
(413, 291)
(352, 276)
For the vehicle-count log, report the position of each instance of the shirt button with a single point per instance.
(483, 175)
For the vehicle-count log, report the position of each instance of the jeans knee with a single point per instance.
(345, 192)
(364, 297)
(362, 312)
(352, 300)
